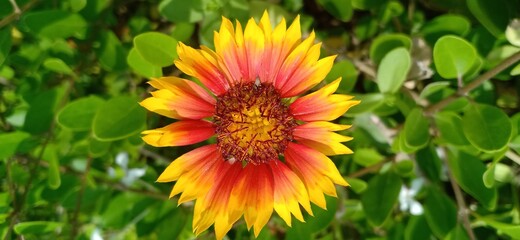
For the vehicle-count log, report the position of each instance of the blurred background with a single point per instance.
(436, 144)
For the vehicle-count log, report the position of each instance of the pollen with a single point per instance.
(253, 123)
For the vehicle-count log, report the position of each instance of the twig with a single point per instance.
(513, 156)
(74, 231)
(17, 12)
(463, 209)
(15, 7)
(369, 169)
(474, 84)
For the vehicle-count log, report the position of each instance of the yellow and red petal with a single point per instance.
(181, 133)
(320, 136)
(252, 195)
(322, 105)
(316, 170)
(289, 193)
(202, 64)
(179, 98)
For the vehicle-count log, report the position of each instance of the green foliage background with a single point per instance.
(436, 143)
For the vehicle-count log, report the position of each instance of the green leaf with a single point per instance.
(494, 15)
(393, 70)
(357, 185)
(417, 228)
(98, 148)
(512, 230)
(36, 227)
(118, 118)
(367, 156)
(183, 31)
(182, 11)
(489, 176)
(458, 233)
(384, 44)
(440, 213)
(56, 24)
(340, 9)
(112, 55)
(9, 142)
(429, 163)
(368, 4)
(368, 103)
(404, 168)
(384, 186)
(416, 129)
(433, 88)
(156, 48)
(449, 124)
(468, 171)
(453, 56)
(444, 25)
(141, 66)
(57, 65)
(5, 43)
(53, 171)
(486, 127)
(77, 5)
(348, 73)
(515, 71)
(78, 115)
(41, 111)
(322, 217)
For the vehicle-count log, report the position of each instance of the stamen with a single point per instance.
(253, 124)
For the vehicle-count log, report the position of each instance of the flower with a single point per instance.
(271, 150)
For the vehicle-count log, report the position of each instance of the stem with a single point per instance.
(463, 209)
(17, 12)
(474, 84)
(513, 156)
(74, 231)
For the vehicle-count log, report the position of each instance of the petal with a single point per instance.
(316, 170)
(255, 48)
(181, 133)
(289, 192)
(202, 64)
(179, 98)
(188, 161)
(253, 195)
(307, 77)
(320, 136)
(213, 207)
(322, 105)
(292, 63)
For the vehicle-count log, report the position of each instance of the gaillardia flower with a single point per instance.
(271, 147)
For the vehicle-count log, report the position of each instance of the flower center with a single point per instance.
(253, 124)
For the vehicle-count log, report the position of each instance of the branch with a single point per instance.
(463, 209)
(474, 84)
(17, 12)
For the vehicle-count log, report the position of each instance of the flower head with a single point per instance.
(271, 150)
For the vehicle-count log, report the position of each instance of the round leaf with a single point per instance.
(78, 115)
(486, 127)
(36, 227)
(5, 43)
(56, 24)
(156, 48)
(118, 118)
(513, 32)
(445, 24)
(57, 65)
(141, 66)
(453, 56)
(449, 124)
(393, 70)
(340, 9)
(383, 44)
(416, 133)
(440, 213)
(181, 10)
(384, 186)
